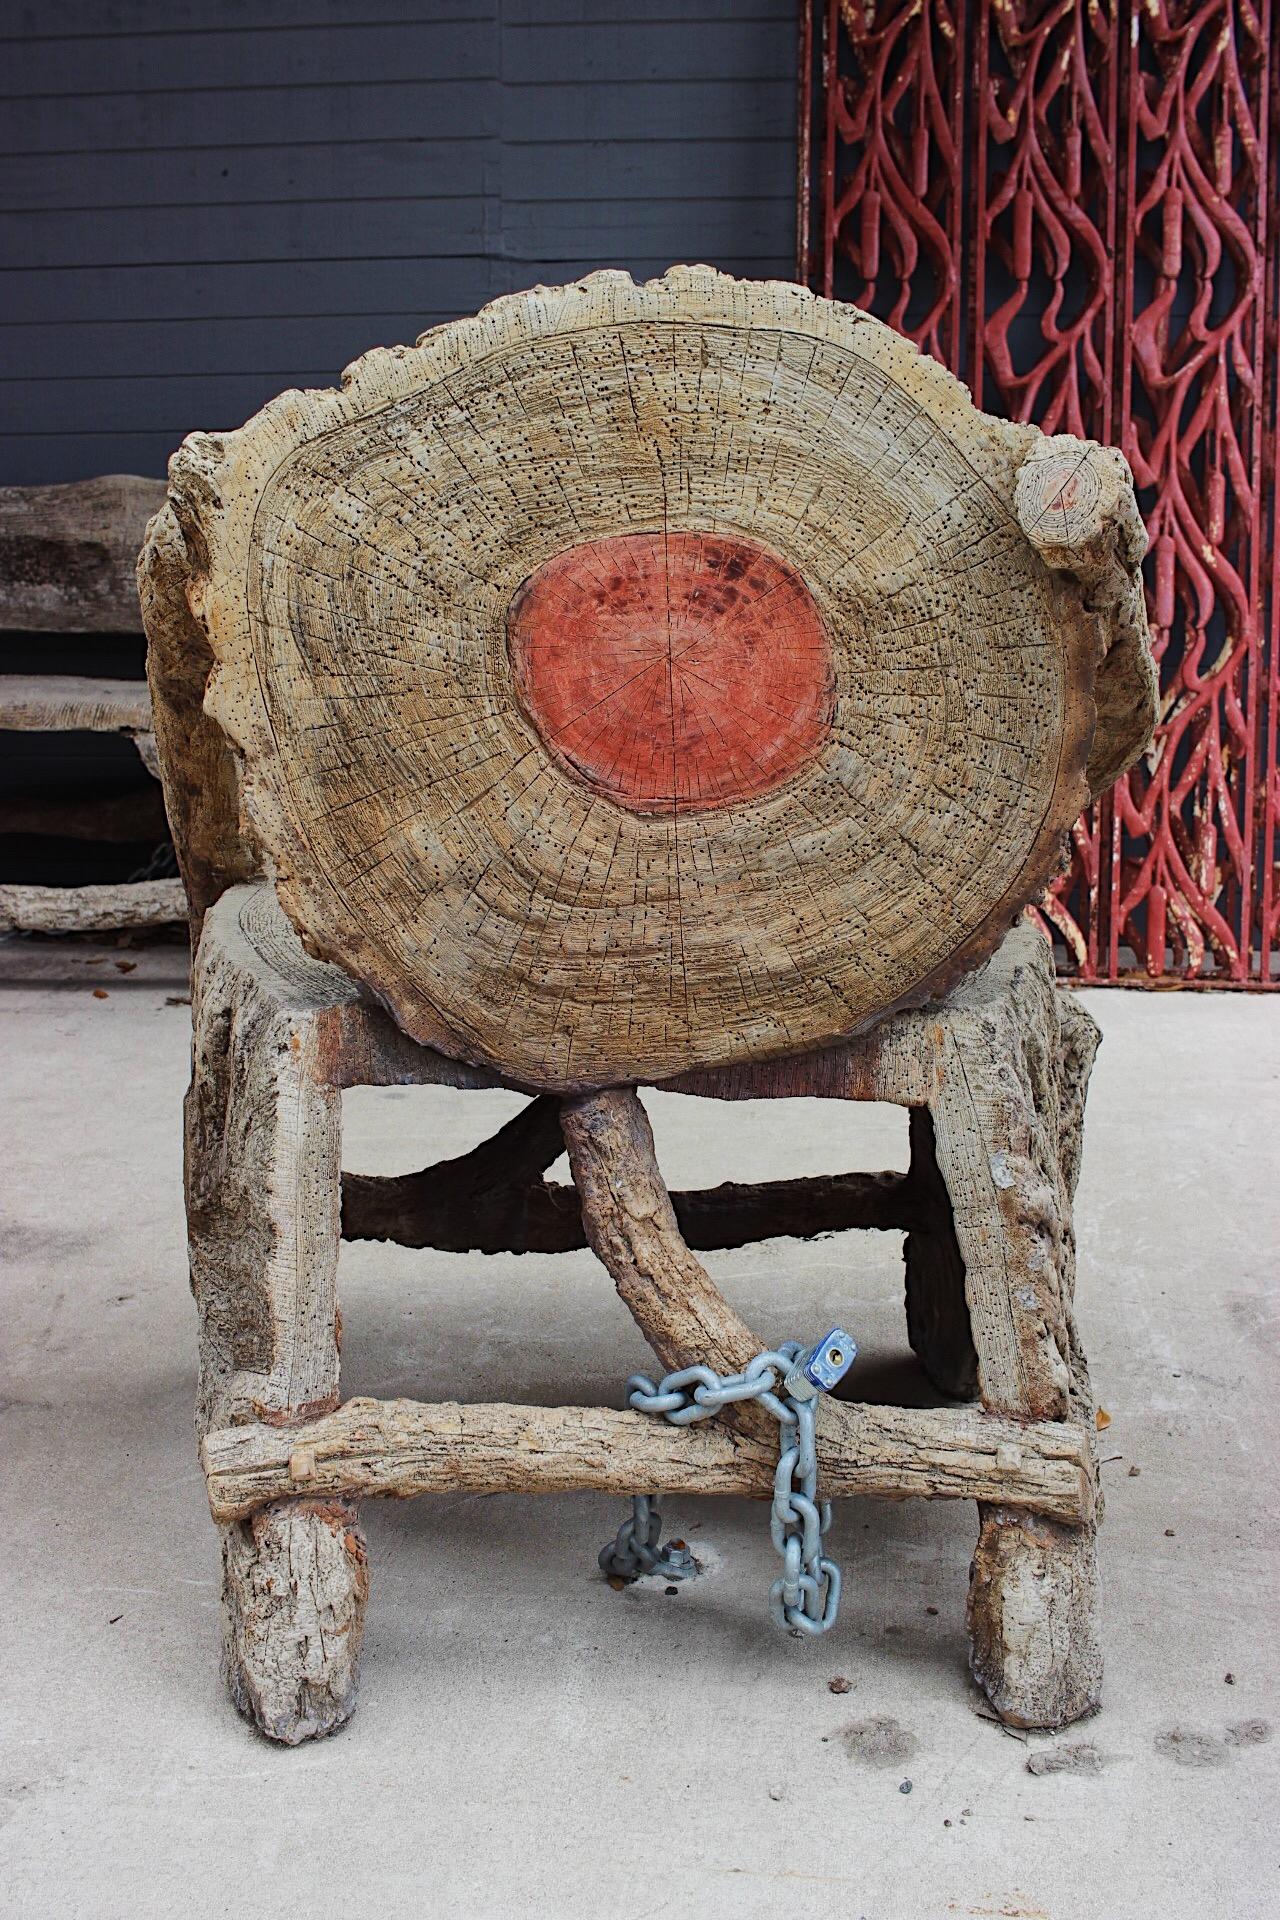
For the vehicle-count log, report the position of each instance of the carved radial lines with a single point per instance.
(673, 671)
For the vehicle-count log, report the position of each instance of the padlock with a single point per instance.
(823, 1367)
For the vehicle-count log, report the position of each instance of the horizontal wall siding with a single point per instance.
(205, 201)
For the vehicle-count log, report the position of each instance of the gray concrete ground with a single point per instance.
(528, 1741)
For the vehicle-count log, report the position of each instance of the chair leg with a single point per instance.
(1007, 1118)
(1035, 1598)
(1033, 1618)
(294, 1586)
(263, 1164)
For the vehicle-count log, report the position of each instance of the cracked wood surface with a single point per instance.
(197, 767)
(353, 560)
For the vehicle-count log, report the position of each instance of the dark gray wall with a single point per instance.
(205, 201)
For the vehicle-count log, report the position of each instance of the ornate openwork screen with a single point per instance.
(1075, 206)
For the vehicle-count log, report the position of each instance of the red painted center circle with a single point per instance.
(673, 671)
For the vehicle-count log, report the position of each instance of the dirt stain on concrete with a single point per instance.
(880, 1741)
(1080, 1757)
(1187, 1747)
(1249, 1733)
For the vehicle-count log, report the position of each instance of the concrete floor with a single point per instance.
(528, 1741)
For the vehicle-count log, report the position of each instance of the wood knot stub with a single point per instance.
(1063, 493)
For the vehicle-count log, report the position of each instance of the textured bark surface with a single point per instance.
(1033, 1631)
(94, 909)
(68, 554)
(262, 1173)
(400, 1447)
(295, 1581)
(1001, 1069)
(263, 1158)
(631, 1226)
(995, 1072)
(201, 784)
(73, 703)
(1034, 1591)
(997, 1116)
(356, 558)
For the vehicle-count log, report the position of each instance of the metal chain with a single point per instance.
(806, 1596)
(636, 1551)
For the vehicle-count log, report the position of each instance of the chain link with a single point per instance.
(636, 1551)
(806, 1596)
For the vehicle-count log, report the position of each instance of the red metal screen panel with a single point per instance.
(1269, 783)
(894, 211)
(1066, 200)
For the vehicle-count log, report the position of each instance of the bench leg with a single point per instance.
(263, 1166)
(1008, 1116)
